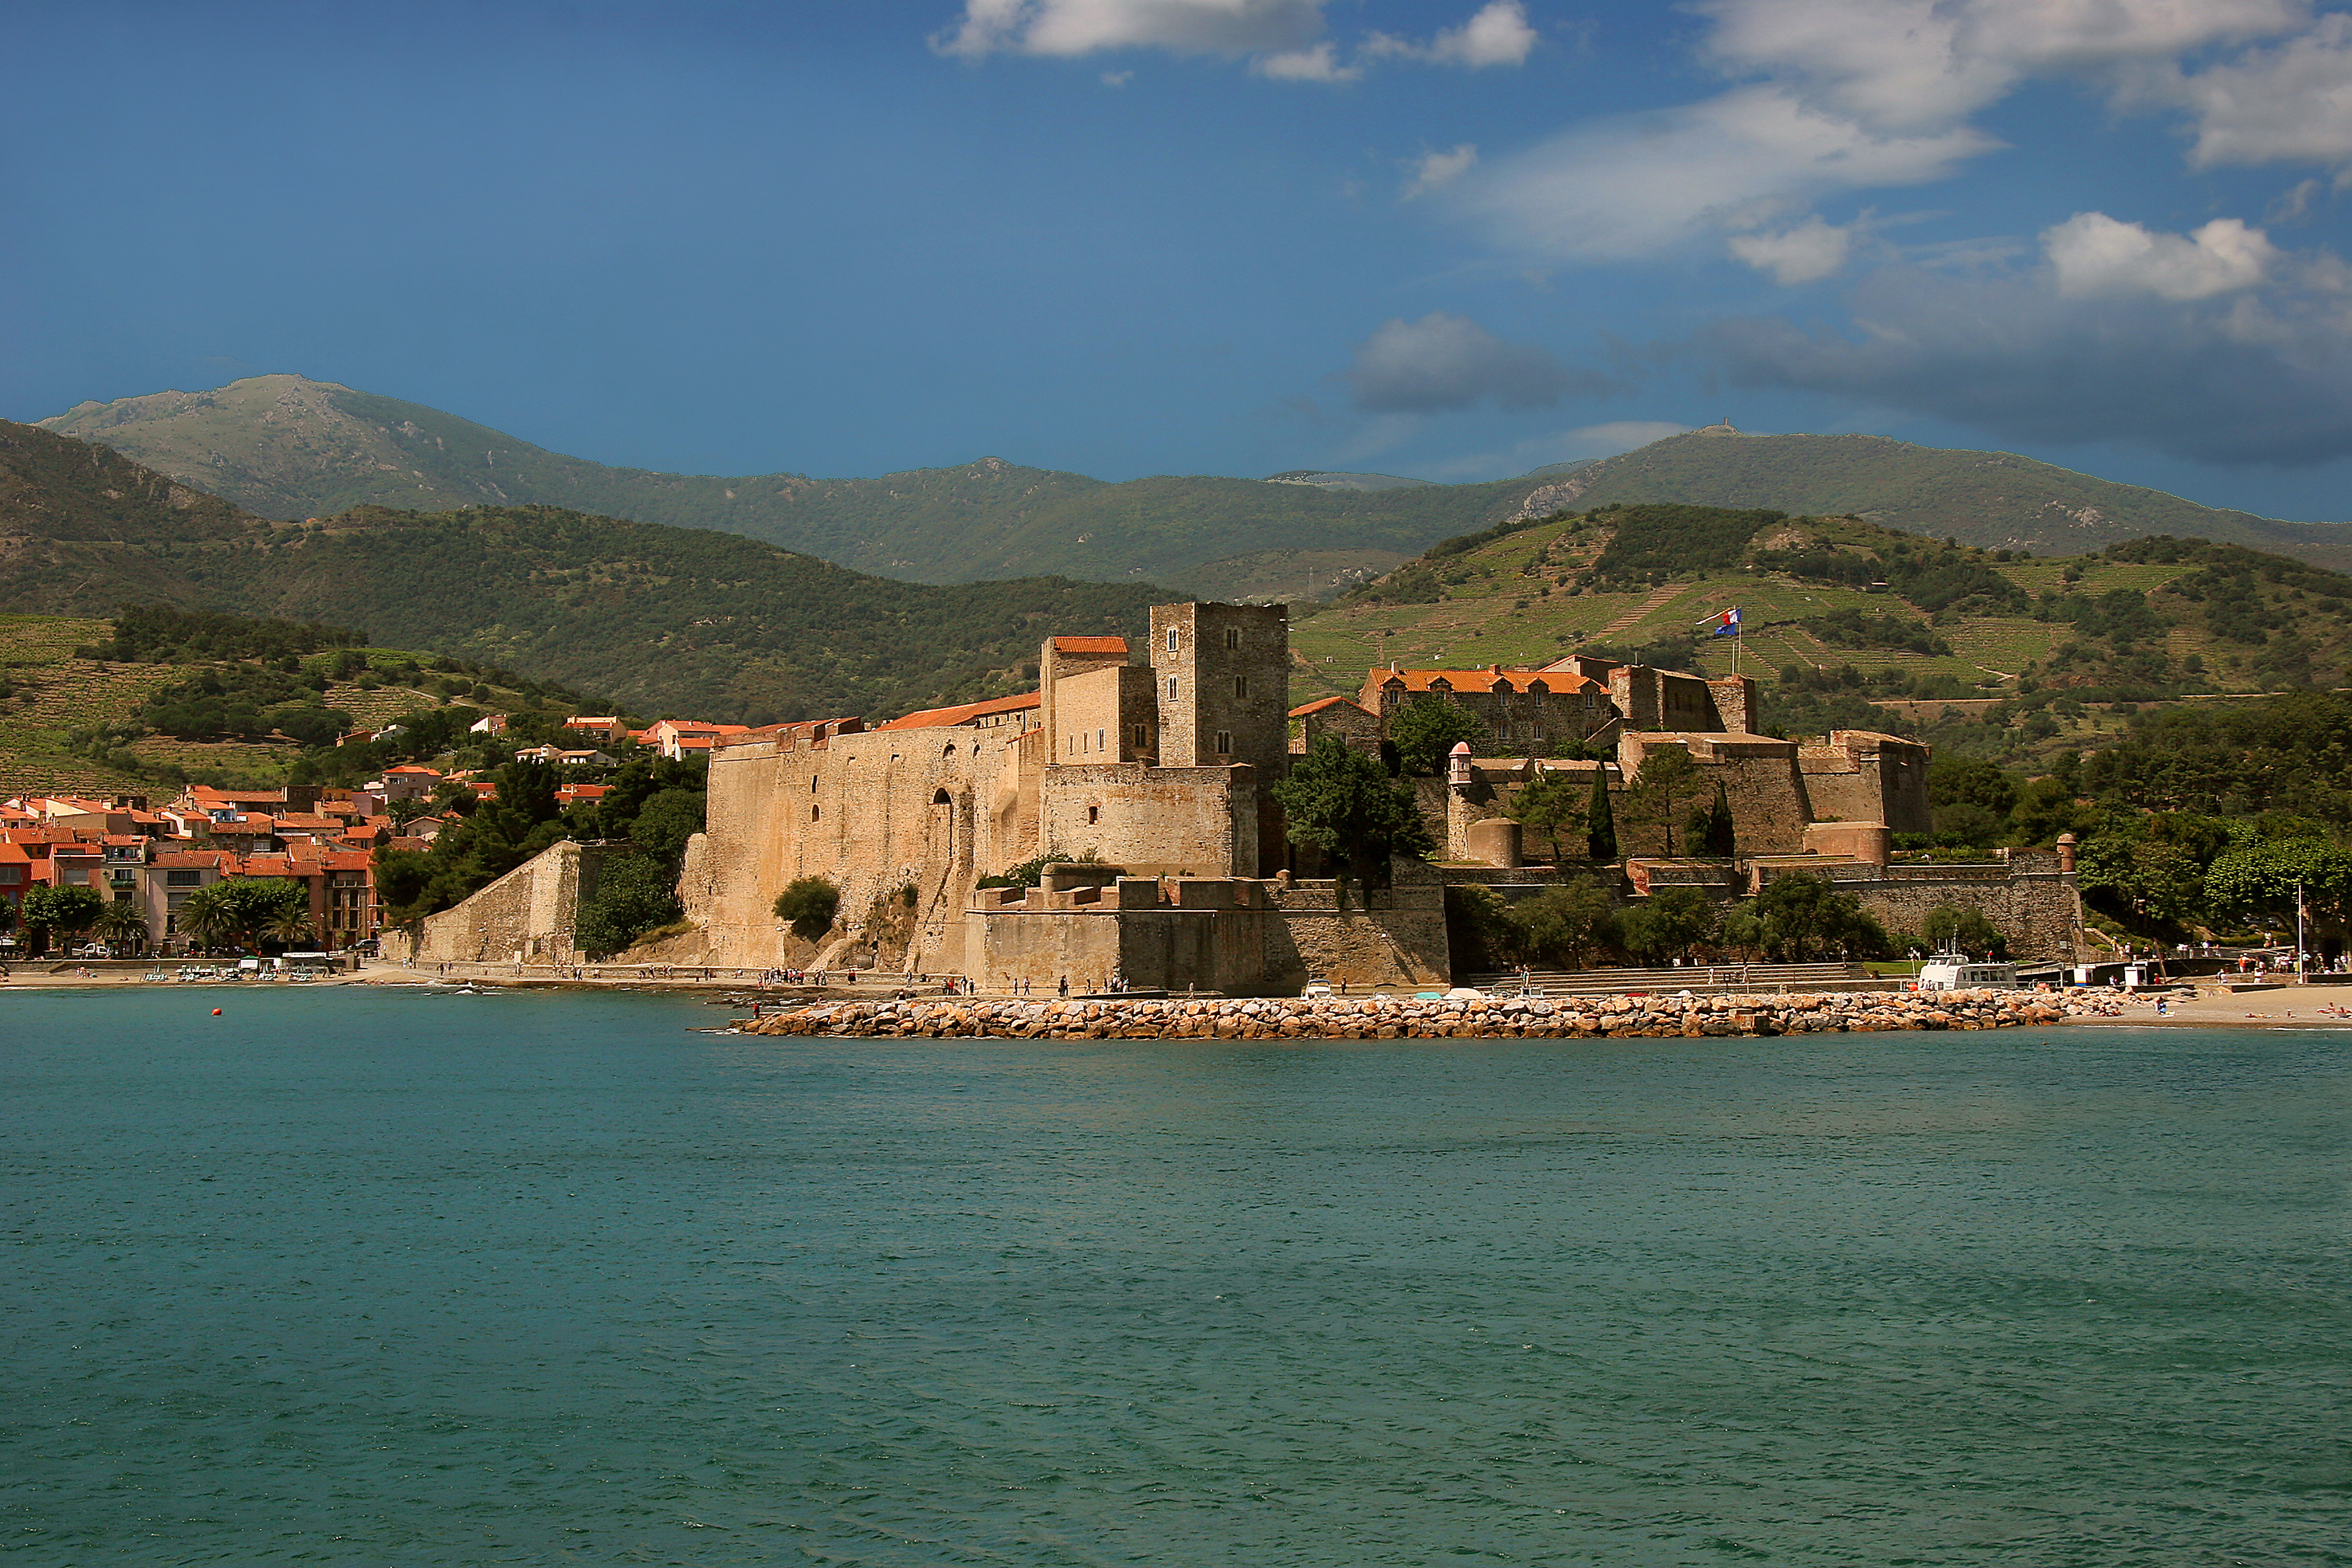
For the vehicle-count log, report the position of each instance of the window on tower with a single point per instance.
(1241, 686)
(1225, 743)
(1171, 639)
(1171, 685)
(1232, 637)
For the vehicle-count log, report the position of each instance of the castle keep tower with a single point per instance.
(1221, 673)
(1224, 674)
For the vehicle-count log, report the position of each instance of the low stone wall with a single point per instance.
(1391, 1018)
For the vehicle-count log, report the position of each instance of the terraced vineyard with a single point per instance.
(53, 693)
(1528, 597)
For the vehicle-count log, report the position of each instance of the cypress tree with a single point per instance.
(1721, 839)
(1600, 822)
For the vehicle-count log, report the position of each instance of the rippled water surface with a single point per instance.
(385, 1279)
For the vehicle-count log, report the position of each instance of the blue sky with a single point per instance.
(1455, 240)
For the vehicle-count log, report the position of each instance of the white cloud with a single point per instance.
(1448, 361)
(1432, 170)
(1283, 38)
(1069, 27)
(2091, 253)
(1902, 65)
(2288, 104)
(1320, 63)
(2247, 374)
(1636, 185)
(1846, 95)
(1499, 34)
(1800, 254)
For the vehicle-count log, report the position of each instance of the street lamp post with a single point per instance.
(2298, 932)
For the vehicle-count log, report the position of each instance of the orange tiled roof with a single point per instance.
(964, 713)
(1090, 644)
(1327, 702)
(1418, 681)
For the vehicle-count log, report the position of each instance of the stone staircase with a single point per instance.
(1699, 979)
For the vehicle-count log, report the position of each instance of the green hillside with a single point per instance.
(1995, 499)
(662, 619)
(77, 718)
(286, 447)
(1849, 622)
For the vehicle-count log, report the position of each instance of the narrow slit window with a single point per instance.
(1225, 743)
(1241, 686)
(1171, 689)
(1232, 637)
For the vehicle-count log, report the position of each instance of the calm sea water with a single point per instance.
(385, 1279)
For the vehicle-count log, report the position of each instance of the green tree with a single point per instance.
(60, 912)
(2261, 879)
(1548, 804)
(1344, 804)
(809, 906)
(1600, 821)
(1673, 922)
(1743, 931)
(1426, 732)
(1805, 918)
(1964, 929)
(1719, 837)
(1570, 925)
(1480, 933)
(290, 925)
(1666, 785)
(205, 915)
(666, 821)
(635, 894)
(122, 923)
(252, 905)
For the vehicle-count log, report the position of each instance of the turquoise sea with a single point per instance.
(379, 1278)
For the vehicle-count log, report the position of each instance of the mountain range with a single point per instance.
(287, 448)
(664, 620)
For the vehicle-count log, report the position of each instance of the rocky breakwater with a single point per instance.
(1387, 1018)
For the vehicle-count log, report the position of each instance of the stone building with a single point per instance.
(1339, 717)
(1525, 710)
(1159, 767)
(1141, 778)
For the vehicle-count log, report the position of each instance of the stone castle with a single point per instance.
(1141, 778)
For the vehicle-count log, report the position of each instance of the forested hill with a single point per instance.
(663, 619)
(288, 447)
(1995, 499)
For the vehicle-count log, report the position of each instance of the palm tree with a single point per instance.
(120, 923)
(290, 925)
(207, 916)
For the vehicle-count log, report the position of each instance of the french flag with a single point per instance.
(1727, 621)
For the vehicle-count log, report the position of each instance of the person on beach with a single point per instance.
(1065, 987)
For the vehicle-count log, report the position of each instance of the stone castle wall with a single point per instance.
(2024, 894)
(525, 916)
(1240, 936)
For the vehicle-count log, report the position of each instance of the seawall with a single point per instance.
(1391, 1018)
